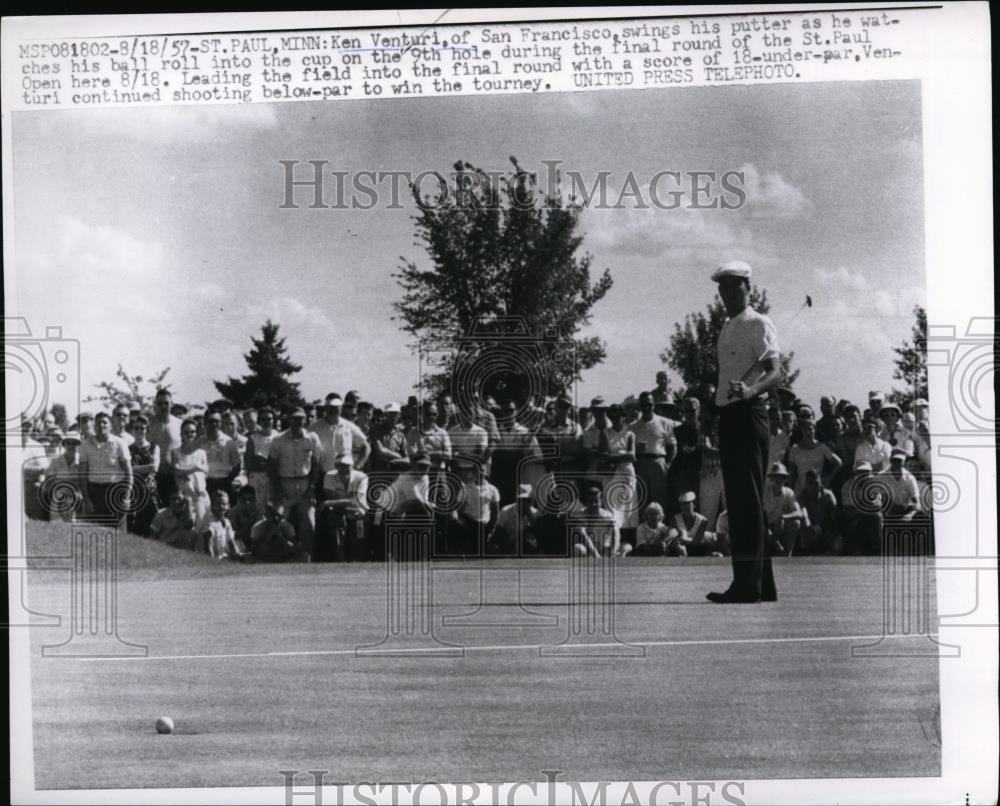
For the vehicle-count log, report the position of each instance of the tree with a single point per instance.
(267, 383)
(506, 292)
(131, 389)
(911, 363)
(692, 351)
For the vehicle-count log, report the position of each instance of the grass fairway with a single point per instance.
(257, 667)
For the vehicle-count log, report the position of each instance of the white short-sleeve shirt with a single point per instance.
(745, 340)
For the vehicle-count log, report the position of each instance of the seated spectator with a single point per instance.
(475, 518)
(818, 533)
(808, 454)
(784, 516)
(218, 539)
(593, 528)
(244, 515)
(553, 500)
(62, 484)
(344, 504)
(904, 500)
(690, 529)
(654, 538)
(514, 533)
(871, 449)
(174, 524)
(273, 538)
(861, 512)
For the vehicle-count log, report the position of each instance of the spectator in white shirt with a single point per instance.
(871, 449)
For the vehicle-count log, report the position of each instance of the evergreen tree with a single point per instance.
(911, 363)
(267, 383)
(693, 355)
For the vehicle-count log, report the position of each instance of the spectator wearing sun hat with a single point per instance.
(338, 435)
(782, 510)
(340, 523)
(892, 430)
(690, 529)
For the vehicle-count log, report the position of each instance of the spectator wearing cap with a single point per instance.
(517, 459)
(165, 433)
(119, 421)
(514, 533)
(389, 439)
(294, 462)
(174, 524)
(685, 471)
(340, 522)
(63, 482)
(338, 435)
(784, 515)
(224, 460)
(145, 460)
(255, 458)
(689, 529)
(862, 504)
(871, 449)
(825, 424)
(892, 430)
(273, 538)
(473, 521)
(189, 467)
(809, 454)
(875, 401)
(904, 493)
(748, 357)
(592, 528)
(106, 464)
(655, 448)
(818, 533)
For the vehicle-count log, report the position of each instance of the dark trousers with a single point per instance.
(744, 442)
(219, 486)
(108, 501)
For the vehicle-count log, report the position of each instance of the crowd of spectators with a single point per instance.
(519, 477)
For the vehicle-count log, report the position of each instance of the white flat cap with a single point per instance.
(391, 408)
(732, 268)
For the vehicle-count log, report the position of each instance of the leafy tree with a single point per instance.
(692, 352)
(267, 383)
(911, 363)
(130, 389)
(506, 293)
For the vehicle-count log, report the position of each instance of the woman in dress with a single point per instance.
(624, 500)
(145, 461)
(190, 467)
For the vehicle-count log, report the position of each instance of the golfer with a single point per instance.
(748, 368)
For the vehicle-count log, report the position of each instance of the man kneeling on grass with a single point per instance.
(593, 528)
(174, 524)
(273, 538)
(690, 530)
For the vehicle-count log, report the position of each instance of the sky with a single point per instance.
(155, 237)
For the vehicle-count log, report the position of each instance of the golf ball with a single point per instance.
(164, 725)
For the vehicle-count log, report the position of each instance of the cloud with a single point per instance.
(175, 125)
(770, 196)
(841, 278)
(290, 311)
